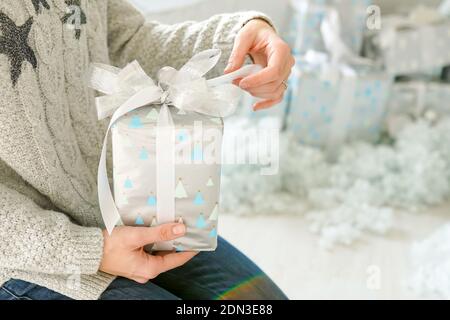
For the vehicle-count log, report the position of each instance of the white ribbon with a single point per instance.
(332, 38)
(186, 89)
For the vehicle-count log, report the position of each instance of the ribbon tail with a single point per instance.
(243, 72)
(110, 213)
(165, 173)
(108, 208)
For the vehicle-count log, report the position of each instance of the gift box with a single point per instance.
(414, 100)
(166, 141)
(445, 76)
(406, 47)
(332, 105)
(307, 17)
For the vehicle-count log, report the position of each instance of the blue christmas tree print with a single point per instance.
(128, 184)
(199, 199)
(213, 233)
(144, 154)
(135, 123)
(151, 201)
(182, 135)
(201, 223)
(197, 153)
(139, 221)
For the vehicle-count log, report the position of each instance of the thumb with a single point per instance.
(242, 46)
(164, 232)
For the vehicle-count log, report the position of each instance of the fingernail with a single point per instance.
(179, 229)
(229, 66)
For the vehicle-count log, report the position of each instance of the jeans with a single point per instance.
(223, 274)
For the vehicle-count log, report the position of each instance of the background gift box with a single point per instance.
(405, 46)
(331, 105)
(307, 16)
(413, 100)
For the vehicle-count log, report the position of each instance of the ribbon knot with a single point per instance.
(165, 98)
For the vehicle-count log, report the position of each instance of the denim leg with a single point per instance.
(22, 290)
(223, 274)
(124, 289)
(120, 289)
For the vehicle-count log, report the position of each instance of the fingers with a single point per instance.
(141, 236)
(266, 104)
(153, 265)
(279, 64)
(268, 84)
(272, 91)
(242, 45)
(166, 261)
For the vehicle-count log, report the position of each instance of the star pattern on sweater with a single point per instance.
(14, 44)
(75, 17)
(36, 4)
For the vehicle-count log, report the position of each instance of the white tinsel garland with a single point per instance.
(353, 194)
(431, 265)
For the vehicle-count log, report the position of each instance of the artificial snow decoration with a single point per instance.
(354, 194)
(344, 224)
(431, 265)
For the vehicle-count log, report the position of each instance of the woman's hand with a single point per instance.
(124, 255)
(258, 39)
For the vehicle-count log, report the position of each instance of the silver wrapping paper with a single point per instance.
(197, 183)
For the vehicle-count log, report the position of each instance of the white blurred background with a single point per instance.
(172, 11)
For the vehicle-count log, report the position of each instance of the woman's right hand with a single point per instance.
(124, 255)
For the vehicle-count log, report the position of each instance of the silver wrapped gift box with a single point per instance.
(167, 140)
(414, 100)
(406, 47)
(335, 104)
(307, 16)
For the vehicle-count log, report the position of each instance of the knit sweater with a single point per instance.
(50, 142)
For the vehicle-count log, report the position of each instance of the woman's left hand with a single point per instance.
(259, 40)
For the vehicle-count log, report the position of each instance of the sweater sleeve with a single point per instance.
(40, 240)
(156, 45)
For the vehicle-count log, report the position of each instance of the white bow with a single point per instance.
(339, 51)
(186, 89)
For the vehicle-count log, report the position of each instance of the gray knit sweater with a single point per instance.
(50, 224)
